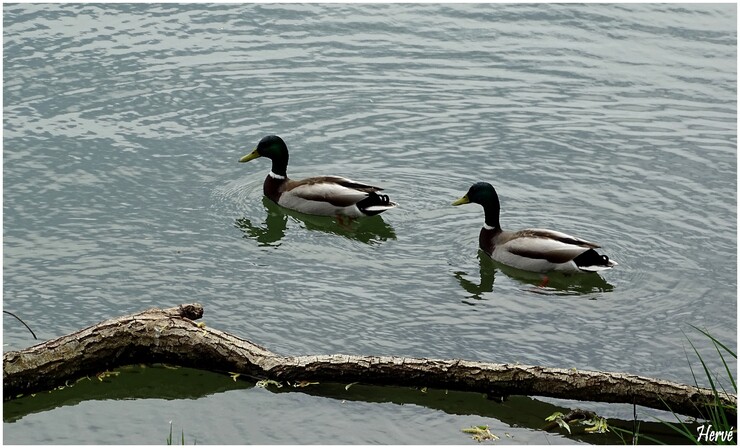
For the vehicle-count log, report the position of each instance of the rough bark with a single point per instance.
(171, 336)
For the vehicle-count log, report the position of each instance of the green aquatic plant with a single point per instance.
(597, 425)
(717, 427)
(182, 436)
(21, 321)
(594, 423)
(557, 418)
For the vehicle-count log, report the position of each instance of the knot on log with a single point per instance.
(192, 311)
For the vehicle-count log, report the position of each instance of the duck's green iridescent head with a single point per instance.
(274, 148)
(481, 193)
(484, 194)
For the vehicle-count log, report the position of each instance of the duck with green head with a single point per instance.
(321, 195)
(537, 250)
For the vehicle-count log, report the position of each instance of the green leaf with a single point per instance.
(557, 417)
(598, 425)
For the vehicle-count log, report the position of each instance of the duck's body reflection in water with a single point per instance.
(487, 274)
(558, 283)
(273, 230)
(370, 230)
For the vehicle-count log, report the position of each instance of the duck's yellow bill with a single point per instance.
(462, 200)
(251, 156)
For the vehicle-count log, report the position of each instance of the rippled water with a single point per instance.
(123, 125)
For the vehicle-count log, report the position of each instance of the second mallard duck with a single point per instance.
(321, 195)
(537, 250)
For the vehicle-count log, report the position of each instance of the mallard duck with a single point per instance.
(321, 195)
(537, 250)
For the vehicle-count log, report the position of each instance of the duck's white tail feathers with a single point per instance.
(381, 208)
(596, 268)
(375, 203)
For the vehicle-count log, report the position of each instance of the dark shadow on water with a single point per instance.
(558, 283)
(130, 382)
(169, 383)
(369, 230)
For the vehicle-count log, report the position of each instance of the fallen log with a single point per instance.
(171, 336)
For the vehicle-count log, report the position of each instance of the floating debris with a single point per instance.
(264, 383)
(303, 383)
(480, 433)
(106, 374)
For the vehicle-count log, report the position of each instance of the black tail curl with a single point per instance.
(383, 198)
(373, 199)
(591, 258)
